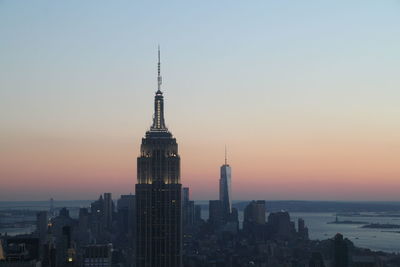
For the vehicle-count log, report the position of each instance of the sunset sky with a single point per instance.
(305, 94)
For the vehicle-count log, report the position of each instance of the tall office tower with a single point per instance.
(190, 213)
(41, 226)
(281, 226)
(83, 234)
(83, 220)
(187, 209)
(126, 214)
(254, 220)
(302, 229)
(185, 195)
(215, 215)
(108, 211)
(96, 217)
(254, 214)
(67, 248)
(225, 189)
(97, 207)
(158, 194)
(197, 213)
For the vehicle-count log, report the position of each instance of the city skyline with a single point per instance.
(309, 111)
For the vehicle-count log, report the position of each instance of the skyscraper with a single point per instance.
(41, 226)
(225, 189)
(187, 209)
(185, 194)
(215, 214)
(126, 214)
(254, 213)
(302, 229)
(158, 194)
(108, 211)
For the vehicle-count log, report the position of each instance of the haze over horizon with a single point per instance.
(304, 95)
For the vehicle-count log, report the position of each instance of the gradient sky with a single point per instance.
(305, 94)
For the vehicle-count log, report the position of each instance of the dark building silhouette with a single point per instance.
(254, 214)
(96, 216)
(101, 218)
(83, 226)
(316, 260)
(126, 208)
(340, 257)
(234, 216)
(62, 231)
(233, 220)
(158, 194)
(254, 219)
(97, 206)
(190, 212)
(64, 212)
(215, 214)
(225, 195)
(41, 226)
(108, 211)
(302, 229)
(280, 225)
(197, 213)
(67, 249)
(185, 194)
(51, 209)
(187, 209)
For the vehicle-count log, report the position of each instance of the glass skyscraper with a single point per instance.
(225, 190)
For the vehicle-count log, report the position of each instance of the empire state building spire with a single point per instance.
(158, 194)
(158, 118)
(159, 78)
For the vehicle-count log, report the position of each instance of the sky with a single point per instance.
(304, 94)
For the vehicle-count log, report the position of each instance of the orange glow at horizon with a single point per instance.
(284, 167)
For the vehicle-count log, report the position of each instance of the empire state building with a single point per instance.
(158, 194)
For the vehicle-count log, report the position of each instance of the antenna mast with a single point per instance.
(225, 156)
(159, 78)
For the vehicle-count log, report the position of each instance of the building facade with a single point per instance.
(108, 210)
(225, 195)
(215, 213)
(254, 213)
(158, 194)
(41, 226)
(97, 256)
(187, 209)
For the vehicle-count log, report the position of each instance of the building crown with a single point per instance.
(158, 118)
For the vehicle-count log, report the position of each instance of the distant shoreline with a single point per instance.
(348, 209)
(381, 226)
